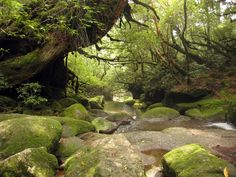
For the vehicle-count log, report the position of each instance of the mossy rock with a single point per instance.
(102, 124)
(69, 146)
(76, 111)
(30, 132)
(192, 160)
(119, 116)
(97, 102)
(156, 105)
(108, 156)
(7, 102)
(30, 162)
(12, 116)
(211, 113)
(161, 112)
(66, 102)
(73, 127)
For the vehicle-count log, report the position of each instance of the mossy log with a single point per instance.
(26, 51)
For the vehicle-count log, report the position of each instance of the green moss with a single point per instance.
(73, 127)
(155, 105)
(102, 124)
(76, 111)
(211, 113)
(83, 164)
(12, 116)
(191, 160)
(30, 162)
(69, 146)
(30, 132)
(161, 112)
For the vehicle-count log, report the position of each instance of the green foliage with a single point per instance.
(29, 93)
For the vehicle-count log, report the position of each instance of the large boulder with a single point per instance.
(161, 112)
(30, 162)
(102, 124)
(69, 146)
(76, 111)
(109, 156)
(173, 97)
(73, 127)
(193, 160)
(30, 132)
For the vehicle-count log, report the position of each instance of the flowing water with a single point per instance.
(152, 157)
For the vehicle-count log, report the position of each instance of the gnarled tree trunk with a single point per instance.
(26, 58)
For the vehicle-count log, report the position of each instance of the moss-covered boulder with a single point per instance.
(211, 113)
(155, 105)
(97, 102)
(30, 162)
(69, 146)
(102, 124)
(12, 116)
(30, 132)
(193, 160)
(73, 127)
(76, 111)
(161, 112)
(109, 156)
(66, 102)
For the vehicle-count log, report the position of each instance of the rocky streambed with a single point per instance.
(153, 146)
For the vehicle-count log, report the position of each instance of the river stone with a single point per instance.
(73, 127)
(76, 111)
(193, 160)
(69, 146)
(161, 112)
(30, 162)
(112, 155)
(30, 132)
(102, 124)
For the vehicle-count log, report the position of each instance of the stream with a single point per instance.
(155, 137)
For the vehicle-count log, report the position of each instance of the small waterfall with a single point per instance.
(222, 125)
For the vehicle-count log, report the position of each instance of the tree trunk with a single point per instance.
(28, 58)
